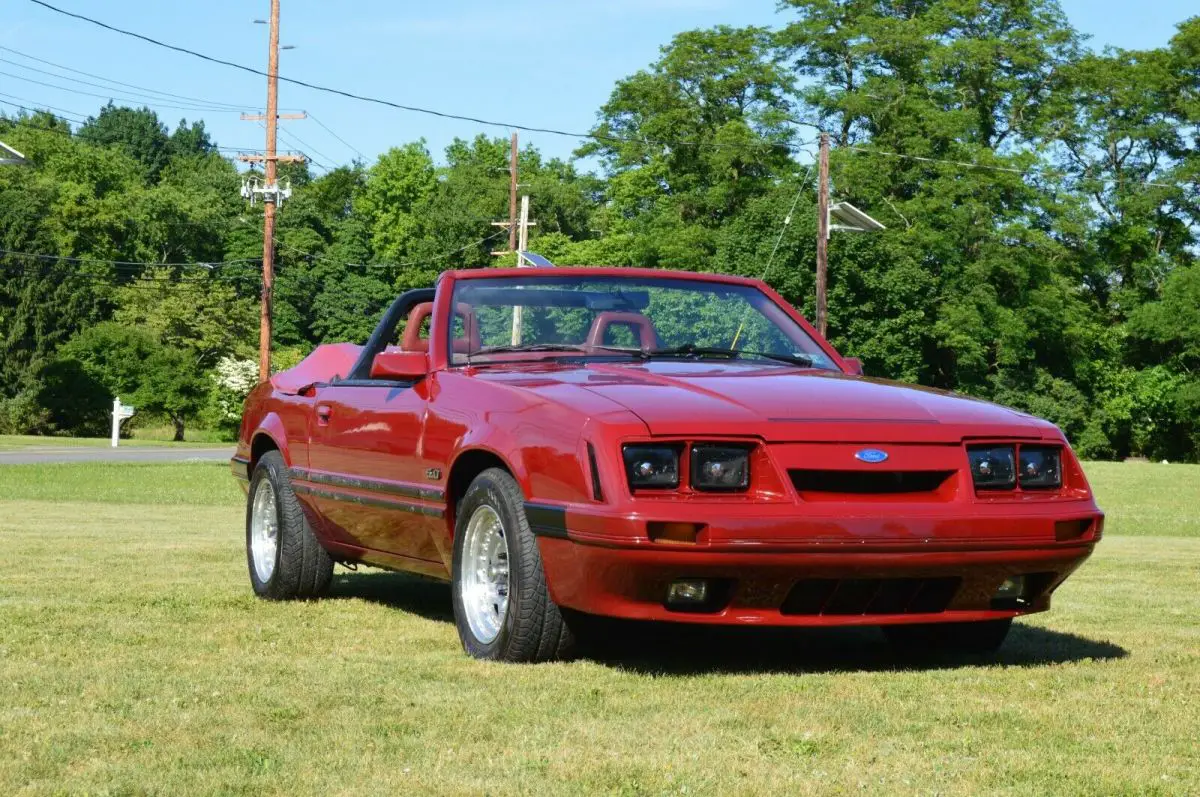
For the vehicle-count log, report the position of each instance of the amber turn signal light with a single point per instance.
(676, 533)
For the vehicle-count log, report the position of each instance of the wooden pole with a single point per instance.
(522, 246)
(268, 263)
(822, 229)
(523, 239)
(512, 196)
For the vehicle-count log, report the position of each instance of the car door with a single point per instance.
(366, 474)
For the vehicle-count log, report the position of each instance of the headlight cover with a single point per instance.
(993, 467)
(1040, 467)
(720, 468)
(652, 467)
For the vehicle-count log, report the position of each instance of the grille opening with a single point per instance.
(862, 596)
(894, 482)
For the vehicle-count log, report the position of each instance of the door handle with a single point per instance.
(323, 413)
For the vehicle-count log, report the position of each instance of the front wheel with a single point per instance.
(984, 636)
(285, 558)
(502, 607)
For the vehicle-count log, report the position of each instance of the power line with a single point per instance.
(207, 104)
(150, 95)
(304, 148)
(389, 103)
(990, 167)
(69, 133)
(787, 220)
(335, 135)
(79, 118)
(169, 94)
(127, 278)
(134, 100)
(136, 281)
(101, 261)
(423, 261)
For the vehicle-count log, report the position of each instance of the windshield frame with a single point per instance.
(773, 308)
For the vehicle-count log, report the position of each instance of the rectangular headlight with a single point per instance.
(993, 467)
(718, 467)
(650, 467)
(1041, 467)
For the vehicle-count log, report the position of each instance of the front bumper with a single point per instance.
(789, 571)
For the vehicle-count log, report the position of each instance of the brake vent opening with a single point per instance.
(869, 482)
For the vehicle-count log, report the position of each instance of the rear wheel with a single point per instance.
(502, 607)
(283, 554)
(985, 636)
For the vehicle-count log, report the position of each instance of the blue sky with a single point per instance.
(548, 63)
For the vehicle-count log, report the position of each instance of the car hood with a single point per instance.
(776, 403)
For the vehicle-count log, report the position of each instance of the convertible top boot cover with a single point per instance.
(328, 361)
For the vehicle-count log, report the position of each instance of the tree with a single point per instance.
(396, 189)
(190, 140)
(73, 203)
(1122, 143)
(954, 72)
(173, 385)
(1167, 333)
(973, 278)
(201, 314)
(112, 359)
(137, 132)
(690, 141)
(98, 364)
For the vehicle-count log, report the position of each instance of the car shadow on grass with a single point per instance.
(423, 597)
(670, 649)
(661, 648)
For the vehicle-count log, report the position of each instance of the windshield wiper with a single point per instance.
(692, 350)
(530, 347)
(570, 347)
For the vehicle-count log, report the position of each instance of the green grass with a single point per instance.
(134, 659)
(141, 439)
(191, 435)
(194, 483)
(1148, 498)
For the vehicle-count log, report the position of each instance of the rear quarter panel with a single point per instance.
(282, 418)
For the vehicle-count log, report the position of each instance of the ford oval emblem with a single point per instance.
(871, 455)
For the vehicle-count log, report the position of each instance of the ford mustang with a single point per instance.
(565, 443)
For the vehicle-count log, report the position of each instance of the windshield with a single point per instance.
(513, 318)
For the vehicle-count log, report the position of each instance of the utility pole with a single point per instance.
(822, 228)
(511, 224)
(270, 193)
(512, 194)
(522, 246)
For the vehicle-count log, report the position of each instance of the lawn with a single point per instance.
(134, 659)
(148, 438)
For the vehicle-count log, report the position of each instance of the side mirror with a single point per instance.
(400, 365)
(853, 366)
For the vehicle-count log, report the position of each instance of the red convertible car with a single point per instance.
(560, 443)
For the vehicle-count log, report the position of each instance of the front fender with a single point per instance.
(501, 445)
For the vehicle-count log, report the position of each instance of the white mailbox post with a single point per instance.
(120, 413)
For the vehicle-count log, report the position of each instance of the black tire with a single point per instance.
(981, 637)
(533, 629)
(303, 569)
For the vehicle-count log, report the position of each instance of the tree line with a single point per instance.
(1041, 200)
